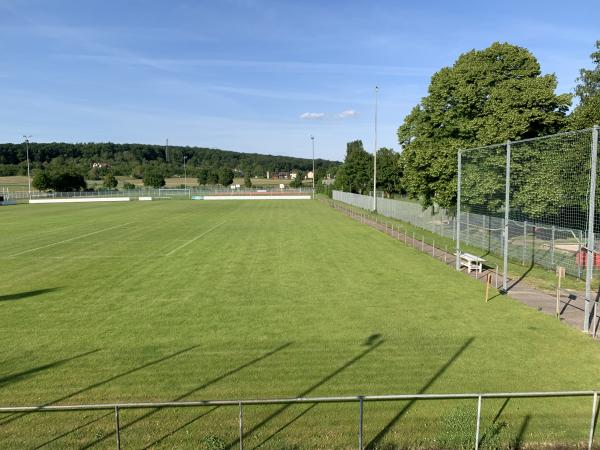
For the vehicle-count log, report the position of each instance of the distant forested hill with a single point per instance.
(133, 159)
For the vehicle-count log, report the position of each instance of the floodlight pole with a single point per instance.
(312, 138)
(375, 155)
(506, 215)
(458, 193)
(28, 173)
(590, 260)
(184, 171)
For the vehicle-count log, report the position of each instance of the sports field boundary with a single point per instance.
(360, 399)
(570, 312)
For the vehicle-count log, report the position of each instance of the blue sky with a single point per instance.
(253, 75)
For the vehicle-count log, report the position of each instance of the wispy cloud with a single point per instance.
(348, 113)
(117, 56)
(312, 115)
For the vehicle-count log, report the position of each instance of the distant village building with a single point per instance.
(101, 165)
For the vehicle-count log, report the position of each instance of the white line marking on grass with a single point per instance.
(195, 239)
(69, 240)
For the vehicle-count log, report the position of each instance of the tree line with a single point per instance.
(136, 160)
(487, 96)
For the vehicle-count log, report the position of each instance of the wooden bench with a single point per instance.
(471, 262)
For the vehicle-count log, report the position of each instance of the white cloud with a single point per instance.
(348, 113)
(312, 115)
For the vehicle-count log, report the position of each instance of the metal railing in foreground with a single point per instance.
(360, 399)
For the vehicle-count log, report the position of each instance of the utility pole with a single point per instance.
(312, 138)
(167, 151)
(184, 171)
(28, 173)
(375, 155)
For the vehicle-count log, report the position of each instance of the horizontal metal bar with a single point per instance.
(348, 399)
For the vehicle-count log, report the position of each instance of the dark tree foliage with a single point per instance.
(247, 181)
(587, 113)
(225, 176)
(487, 96)
(356, 174)
(130, 159)
(110, 181)
(153, 178)
(59, 180)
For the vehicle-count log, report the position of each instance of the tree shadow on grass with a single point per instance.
(172, 432)
(13, 378)
(287, 424)
(65, 434)
(377, 439)
(193, 391)
(26, 294)
(485, 436)
(308, 391)
(102, 382)
(518, 443)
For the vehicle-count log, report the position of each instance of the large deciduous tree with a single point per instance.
(356, 174)
(587, 112)
(389, 174)
(487, 96)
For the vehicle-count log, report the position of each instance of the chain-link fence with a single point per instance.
(434, 219)
(533, 202)
(540, 193)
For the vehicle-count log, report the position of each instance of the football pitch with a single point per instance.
(182, 300)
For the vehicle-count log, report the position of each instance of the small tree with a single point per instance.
(128, 186)
(109, 181)
(226, 176)
(154, 179)
(41, 181)
(247, 180)
(203, 174)
(212, 178)
(297, 182)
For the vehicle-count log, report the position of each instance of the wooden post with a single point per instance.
(488, 282)
(560, 273)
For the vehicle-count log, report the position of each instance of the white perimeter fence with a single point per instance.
(151, 192)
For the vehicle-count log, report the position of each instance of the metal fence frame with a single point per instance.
(505, 233)
(360, 399)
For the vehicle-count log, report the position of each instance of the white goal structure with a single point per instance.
(170, 193)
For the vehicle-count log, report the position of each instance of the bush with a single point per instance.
(297, 182)
(226, 176)
(110, 181)
(129, 186)
(154, 179)
(60, 181)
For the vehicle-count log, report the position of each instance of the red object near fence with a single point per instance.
(581, 257)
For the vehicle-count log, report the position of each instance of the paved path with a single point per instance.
(571, 302)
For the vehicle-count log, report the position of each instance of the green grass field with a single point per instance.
(182, 300)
